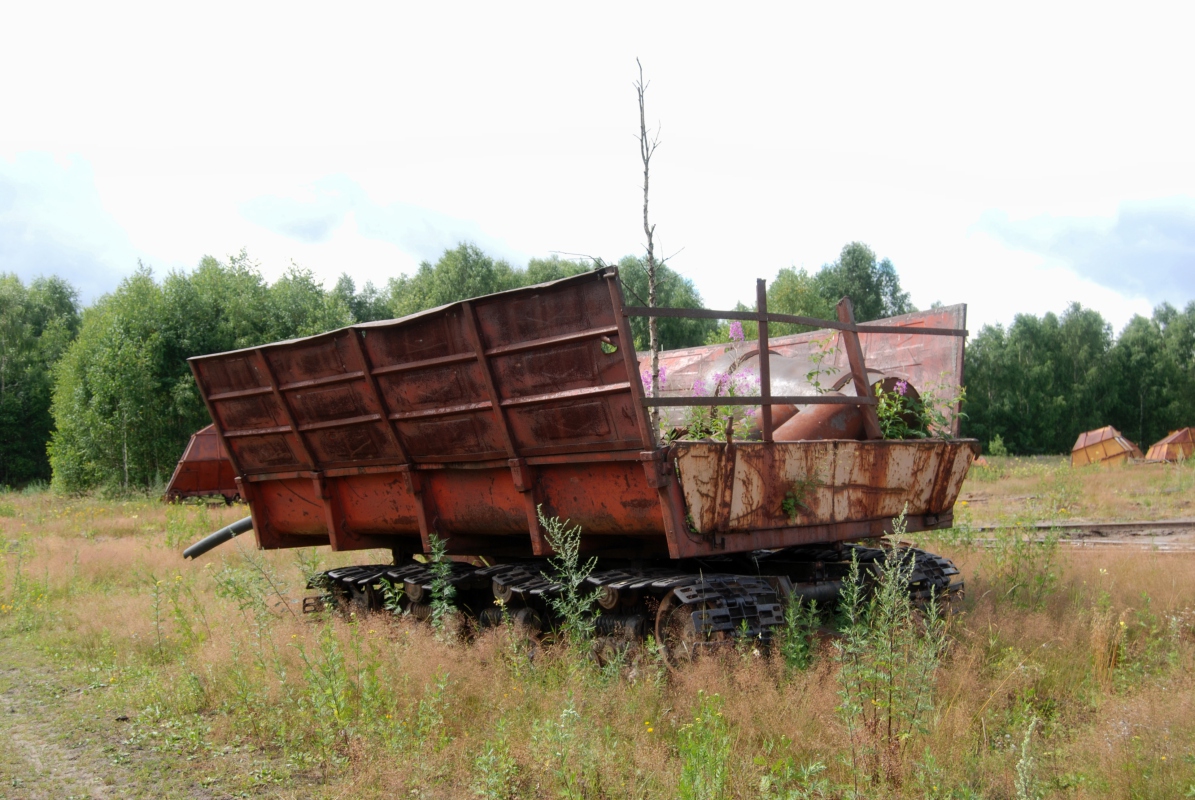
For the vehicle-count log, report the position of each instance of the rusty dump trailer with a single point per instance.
(204, 470)
(461, 421)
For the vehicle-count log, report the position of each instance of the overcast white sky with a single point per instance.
(1013, 157)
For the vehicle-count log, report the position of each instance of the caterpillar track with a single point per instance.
(688, 607)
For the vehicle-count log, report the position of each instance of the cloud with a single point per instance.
(53, 223)
(1147, 250)
(326, 205)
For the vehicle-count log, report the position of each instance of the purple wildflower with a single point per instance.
(902, 387)
(736, 331)
(699, 388)
(645, 376)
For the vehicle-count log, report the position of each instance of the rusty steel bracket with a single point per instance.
(258, 513)
(425, 511)
(658, 468)
(331, 517)
(340, 536)
(524, 480)
(521, 473)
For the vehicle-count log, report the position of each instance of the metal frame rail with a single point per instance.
(850, 330)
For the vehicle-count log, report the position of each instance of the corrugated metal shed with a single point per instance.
(1104, 446)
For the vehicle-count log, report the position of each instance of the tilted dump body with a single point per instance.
(204, 470)
(462, 420)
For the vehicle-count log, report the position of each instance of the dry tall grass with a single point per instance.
(1046, 488)
(210, 657)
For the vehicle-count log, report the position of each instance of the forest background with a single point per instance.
(101, 398)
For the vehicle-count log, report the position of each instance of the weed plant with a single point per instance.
(442, 591)
(573, 606)
(820, 351)
(722, 423)
(785, 780)
(888, 660)
(704, 747)
(495, 768)
(1026, 772)
(903, 415)
(798, 638)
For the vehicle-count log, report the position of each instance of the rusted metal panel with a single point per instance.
(513, 374)
(933, 363)
(753, 486)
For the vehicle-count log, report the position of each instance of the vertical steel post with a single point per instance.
(854, 354)
(765, 364)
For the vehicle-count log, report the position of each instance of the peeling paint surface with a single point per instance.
(744, 486)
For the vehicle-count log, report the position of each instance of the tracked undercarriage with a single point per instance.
(687, 607)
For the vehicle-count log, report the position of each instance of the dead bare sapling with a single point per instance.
(648, 142)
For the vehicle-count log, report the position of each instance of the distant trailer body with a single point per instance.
(204, 470)
(463, 421)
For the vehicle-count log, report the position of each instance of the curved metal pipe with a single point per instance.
(227, 533)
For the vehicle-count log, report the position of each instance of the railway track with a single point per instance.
(1164, 536)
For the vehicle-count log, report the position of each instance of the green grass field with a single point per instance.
(126, 671)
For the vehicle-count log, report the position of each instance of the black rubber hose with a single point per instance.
(221, 536)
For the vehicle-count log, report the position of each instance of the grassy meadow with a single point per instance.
(126, 671)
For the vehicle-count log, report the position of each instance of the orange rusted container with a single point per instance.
(204, 470)
(462, 420)
(1178, 446)
(1105, 446)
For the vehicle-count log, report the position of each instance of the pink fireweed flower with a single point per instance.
(700, 389)
(736, 331)
(645, 376)
(902, 387)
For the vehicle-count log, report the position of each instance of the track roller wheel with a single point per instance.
(677, 629)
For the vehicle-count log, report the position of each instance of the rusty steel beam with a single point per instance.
(371, 383)
(626, 345)
(812, 322)
(755, 400)
(765, 364)
(288, 412)
(854, 354)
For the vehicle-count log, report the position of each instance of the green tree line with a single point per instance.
(102, 397)
(872, 285)
(1041, 382)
